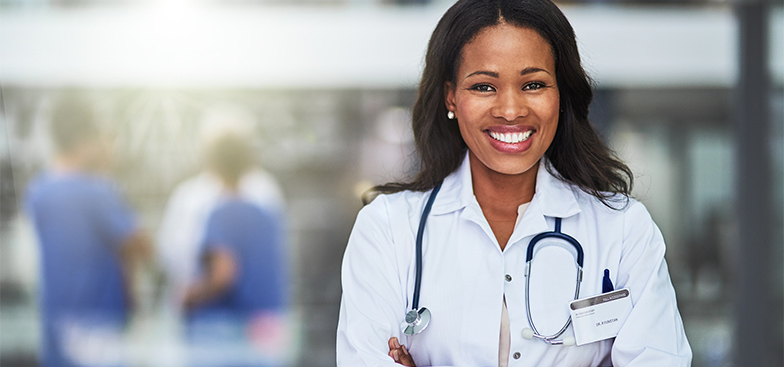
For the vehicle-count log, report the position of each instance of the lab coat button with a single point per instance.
(508, 278)
(516, 355)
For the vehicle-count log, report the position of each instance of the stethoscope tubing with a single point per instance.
(529, 254)
(420, 235)
(551, 339)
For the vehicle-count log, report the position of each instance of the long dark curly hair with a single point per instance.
(576, 153)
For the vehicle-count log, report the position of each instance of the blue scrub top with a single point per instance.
(81, 222)
(254, 236)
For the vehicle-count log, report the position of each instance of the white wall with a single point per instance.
(332, 47)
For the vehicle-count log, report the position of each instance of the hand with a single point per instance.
(194, 296)
(399, 353)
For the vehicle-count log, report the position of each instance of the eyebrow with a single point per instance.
(531, 70)
(482, 72)
(526, 71)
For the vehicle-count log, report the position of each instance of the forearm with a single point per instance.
(136, 258)
(220, 275)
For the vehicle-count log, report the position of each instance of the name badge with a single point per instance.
(600, 317)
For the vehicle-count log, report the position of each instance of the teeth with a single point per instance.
(511, 138)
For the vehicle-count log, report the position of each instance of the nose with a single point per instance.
(510, 105)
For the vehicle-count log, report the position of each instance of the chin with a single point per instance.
(514, 168)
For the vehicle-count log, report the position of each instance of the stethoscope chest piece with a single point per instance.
(416, 321)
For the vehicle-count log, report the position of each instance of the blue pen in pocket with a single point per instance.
(607, 285)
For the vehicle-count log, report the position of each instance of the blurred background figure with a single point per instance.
(182, 228)
(90, 244)
(223, 240)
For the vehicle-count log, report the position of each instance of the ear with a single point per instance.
(449, 96)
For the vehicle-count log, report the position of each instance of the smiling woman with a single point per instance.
(503, 136)
(506, 102)
(507, 74)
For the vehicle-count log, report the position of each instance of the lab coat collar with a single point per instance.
(553, 197)
(457, 191)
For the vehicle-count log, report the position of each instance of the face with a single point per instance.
(506, 99)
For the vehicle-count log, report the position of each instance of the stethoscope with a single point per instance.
(418, 318)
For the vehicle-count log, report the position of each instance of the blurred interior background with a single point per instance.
(328, 86)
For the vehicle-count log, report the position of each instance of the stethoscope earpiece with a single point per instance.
(416, 321)
(568, 341)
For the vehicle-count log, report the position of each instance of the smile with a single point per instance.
(511, 138)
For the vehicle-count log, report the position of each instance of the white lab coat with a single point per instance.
(463, 282)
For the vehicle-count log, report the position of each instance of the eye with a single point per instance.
(484, 88)
(534, 86)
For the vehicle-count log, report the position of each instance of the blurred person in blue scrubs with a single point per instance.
(236, 308)
(90, 243)
(181, 231)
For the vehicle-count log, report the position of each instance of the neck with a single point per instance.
(495, 190)
(231, 187)
(67, 163)
(500, 196)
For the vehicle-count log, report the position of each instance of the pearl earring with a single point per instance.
(450, 115)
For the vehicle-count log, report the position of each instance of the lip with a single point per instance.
(510, 148)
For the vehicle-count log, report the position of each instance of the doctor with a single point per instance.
(501, 121)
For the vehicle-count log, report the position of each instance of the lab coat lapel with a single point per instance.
(456, 191)
(532, 223)
(553, 198)
(458, 194)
